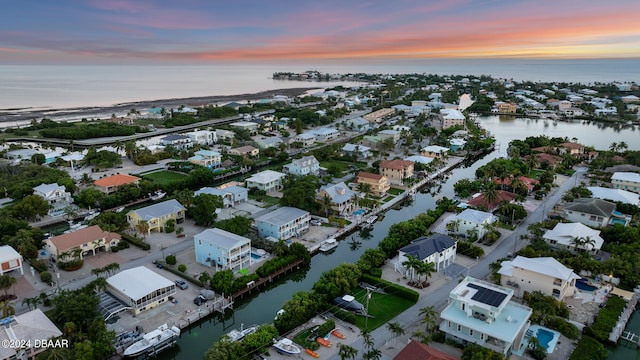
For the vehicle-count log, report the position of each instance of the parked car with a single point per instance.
(199, 300)
(315, 222)
(182, 284)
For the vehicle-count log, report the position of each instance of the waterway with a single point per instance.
(625, 350)
(194, 343)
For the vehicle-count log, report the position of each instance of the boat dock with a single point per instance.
(618, 330)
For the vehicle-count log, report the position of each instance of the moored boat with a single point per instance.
(157, 195)
(237, 335)
(329, 245)
(286, 346)
(338, 334)
(154, 341)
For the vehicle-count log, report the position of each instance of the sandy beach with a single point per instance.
(17, 117)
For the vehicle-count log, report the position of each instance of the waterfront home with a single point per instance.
(544, 274)
(110, 184)
(438, 249)
(457, 144)
(343, 199)
(283, 223)
(481, 202)
(248, 126)
(362, 152)
(629, 181)
(140, 289)
(10, 260)
(507, 108)
(267, 180)
(594, 212)
(307, 165)
(231, 195)
(51, 156)
(247, 151)
(56, 196)
(224, 135)
(379, 116)
(419, 159)
(306, 139)
(451, 117)
(472, 221)
(379, 183)
(19, 155)
(177, 141)
(89, 241)
(265, 142)
(572, 148)
(202, 137)
(615, 195)
(574, 237)
(527, 182)
(415, 350)
(434, 151)
(157, 215)
(397, 171)
(207, 158)
(389, 134)
(483, 313)
(223, 250)
(544, 158)
(325, 134)
(31, 329)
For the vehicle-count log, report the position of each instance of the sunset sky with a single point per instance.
(208, 31)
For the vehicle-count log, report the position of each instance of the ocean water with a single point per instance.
(65, 86)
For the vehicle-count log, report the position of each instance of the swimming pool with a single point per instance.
(546, 337)
(255, 256)
(582, 285)
(358, 212)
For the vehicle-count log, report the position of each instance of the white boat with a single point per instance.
(372, 219)
(120, 209)
(237, 335)
(157, 195)
(286, 346)
(328, 245)
(154, 341)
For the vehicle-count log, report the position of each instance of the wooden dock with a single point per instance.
(255, 285)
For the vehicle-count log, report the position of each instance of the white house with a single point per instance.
(56, 196)
(563, 234)
(623, 196)
(544, 274)
(471, 220)
(10, 260)
(177, 141)
(141, 289)
(629, 181)
(483, 313)
(434, 151)
(452, 117)
(223, 250)
(307, 165)
(231, 195)
(438, 249)
(325, 134)
(306, 139)
(251, 127)
(351, 149)
(267, 180)
(202, 137)
(342, 198)
(225, 135)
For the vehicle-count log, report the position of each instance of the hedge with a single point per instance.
(606, 319)
(135, 241)
(567, 329)
(392, 288)
(589, 348)
(273, 265)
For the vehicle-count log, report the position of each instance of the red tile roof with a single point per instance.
(526, 180)
(482, 203)
(77, 238)
(418, 351)
(395, 164)
(572, 145)
(116, 180)
(369, 176)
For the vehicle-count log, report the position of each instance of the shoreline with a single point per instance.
(22, 115)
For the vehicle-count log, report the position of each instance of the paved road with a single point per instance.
(438, 298)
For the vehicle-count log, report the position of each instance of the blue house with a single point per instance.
(350, 149)
(307, 165)
(222, 250)
(283, 223)
(231, 196)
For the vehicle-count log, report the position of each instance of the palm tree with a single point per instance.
(130, 149)
(426, 268)
(325, 205)
(577, 242)
(396, 329)
(99, 284)
(622, 145)
(6, 283)
(143, 228)
(490, 194)
(7, 308)
(346, 352)
(281, 248)
(365, 188)
(355, 198)
(613, 147)
(412, 263)
(454, 225)
(429, 316)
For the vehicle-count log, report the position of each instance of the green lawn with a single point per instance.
(382, 308)
(395, 191)
(164, 177)
(265, 199)
(387, 199)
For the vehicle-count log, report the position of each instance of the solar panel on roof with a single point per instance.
(487, 296)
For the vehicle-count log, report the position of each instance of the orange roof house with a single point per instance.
(89, 240)
(418, 351)
(397, 170)
(111, 183)
(379, 183)
(481, 202)
(529, 182)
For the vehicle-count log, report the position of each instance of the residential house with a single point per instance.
(457, 144)
(528, 183)
(267, 180)
(630, 99)
(224, 135)
(435, 151)
(223, 250)
(481, 202)
(379, 183)
(623, 196)
(415, 350)
(507, 108)
(543, 158)
(565, 236)
(19, 155)
(438, 249)
(343, 199)
(110, 184)
(372, 141)
(283, 223)
(379, 115)
(141, 289)
(231, 195)
(544, 274)
(207, 158)
(251, 127)
(29, 331)
(483, 313)
(357, 124)
(306, 139)
(248, 151)
(397, 171)
(202, 137)
(10, 260)
(572, 148)
(307, 165)
(451, 117)
(419, 159)
(390, 134)
(90, 241)
(265, 142)
(157, 215)
(51, 156)
(177, 141)
(472, 221)
(594, 212)
(361, 151)
(56, 196)
(629, 181)
(325, 134)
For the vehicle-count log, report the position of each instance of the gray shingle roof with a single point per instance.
(423, 247)
(282, 216)
(591, 206)
(222, 238)
(158, 210)
(339, 193)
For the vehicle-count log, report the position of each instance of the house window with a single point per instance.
(449, 324)
(470, 332)
(557, 282)
(459, 328)
(556, 293)
(481, 336)
(463, 306)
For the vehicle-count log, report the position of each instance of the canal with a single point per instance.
(262, 307)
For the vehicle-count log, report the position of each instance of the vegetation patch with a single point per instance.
(395, 191)
(589, 348)
(164, 177)
(606, 319)
(381, 308)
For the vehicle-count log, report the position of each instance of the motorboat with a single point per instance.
(237, 335)
(286, 346)
(348, 302)
(329, 245)
(157, 195)
(154, 341)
